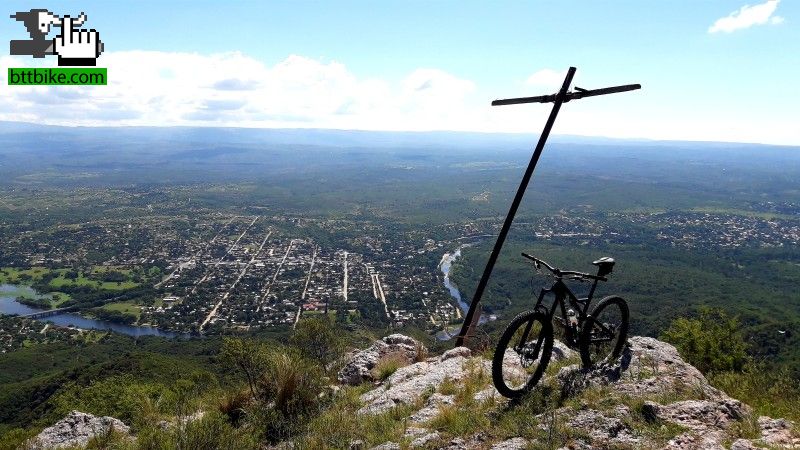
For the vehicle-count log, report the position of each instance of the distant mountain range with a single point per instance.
(338, 138)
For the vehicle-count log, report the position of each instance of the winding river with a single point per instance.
(445, 265)
(9, 305)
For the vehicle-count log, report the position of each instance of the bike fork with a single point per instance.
(538, 347)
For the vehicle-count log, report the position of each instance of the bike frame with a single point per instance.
(562, 293)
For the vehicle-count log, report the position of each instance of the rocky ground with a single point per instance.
(651, 398)
(76, 430)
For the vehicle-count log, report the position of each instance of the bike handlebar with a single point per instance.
(560, 273)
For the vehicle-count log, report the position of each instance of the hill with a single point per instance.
(649, 398)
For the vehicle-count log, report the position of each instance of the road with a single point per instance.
(344, 282)
(241, 274)
(382, 296)
(275, 277)
(228, 252)
(199, 253)
(305, 288)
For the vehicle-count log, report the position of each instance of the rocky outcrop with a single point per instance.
(408, 384)
(647, 367)
(76, 430)
(359, 366)
(649, 387)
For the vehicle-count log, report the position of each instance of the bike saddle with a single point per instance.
(605, 265)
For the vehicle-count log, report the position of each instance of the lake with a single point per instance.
(9, 305)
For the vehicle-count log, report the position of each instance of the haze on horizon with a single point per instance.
(717, 71)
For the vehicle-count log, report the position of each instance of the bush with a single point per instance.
(712, 342)
(318, 339)
(770, 392)
(210, 431)
(284, 388)
(248, 356)
(291, 382)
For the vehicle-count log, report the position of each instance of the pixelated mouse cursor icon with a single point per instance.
(76, 46)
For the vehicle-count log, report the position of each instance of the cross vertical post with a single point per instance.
(563, 96)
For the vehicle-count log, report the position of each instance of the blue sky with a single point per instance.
(434, 65)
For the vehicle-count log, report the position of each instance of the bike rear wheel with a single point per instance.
(605, 332)
(522, 354)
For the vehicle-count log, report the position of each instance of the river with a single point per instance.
(445, 265)
(9, 305)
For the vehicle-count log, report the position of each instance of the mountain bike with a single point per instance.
(525, 348)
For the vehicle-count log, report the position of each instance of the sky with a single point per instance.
(723, 70)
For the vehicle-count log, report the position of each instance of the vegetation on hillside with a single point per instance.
(265, 390)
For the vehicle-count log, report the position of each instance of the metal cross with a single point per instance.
(563, 96)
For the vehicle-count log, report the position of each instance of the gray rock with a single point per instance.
(76, 430)
(744, 444)
(516, 443)
(562, 352)
(387, 446)
(409, 383)
(691, 441)
(458, 351)
(704, 415)
(647, 366)
(778, 432)
(603, 430)
(413, 431)
(490, 394)
(358, 367)
(424, 440)
(431, 408)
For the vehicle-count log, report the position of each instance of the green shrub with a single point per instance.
(770, 392)
(211, 431)
(317, 338)
(292, 383)
(116, 396)
(14, 439)
(247, 356)
(712, 342)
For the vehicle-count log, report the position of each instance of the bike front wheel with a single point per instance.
(604, 332)
(522, 354)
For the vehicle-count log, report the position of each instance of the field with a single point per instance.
(11, 275)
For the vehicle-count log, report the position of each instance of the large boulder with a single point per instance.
(359, 366)
(410, 383)
(650, 387)
(76, 430)
(647, 367)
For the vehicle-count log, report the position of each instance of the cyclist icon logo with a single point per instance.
(73, 46)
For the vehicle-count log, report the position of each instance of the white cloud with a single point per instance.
(159, 88)
(547, 78)
(233, 89)
(747, 16)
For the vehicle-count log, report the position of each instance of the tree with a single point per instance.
(318, 339)
(712, 342)
(248, 356)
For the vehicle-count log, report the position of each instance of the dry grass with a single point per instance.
(388, 364)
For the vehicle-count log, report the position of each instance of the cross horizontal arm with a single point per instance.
(513, 101)
(609, 90)
(581, 93)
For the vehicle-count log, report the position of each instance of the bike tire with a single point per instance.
(544, 333)
(594, 326)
